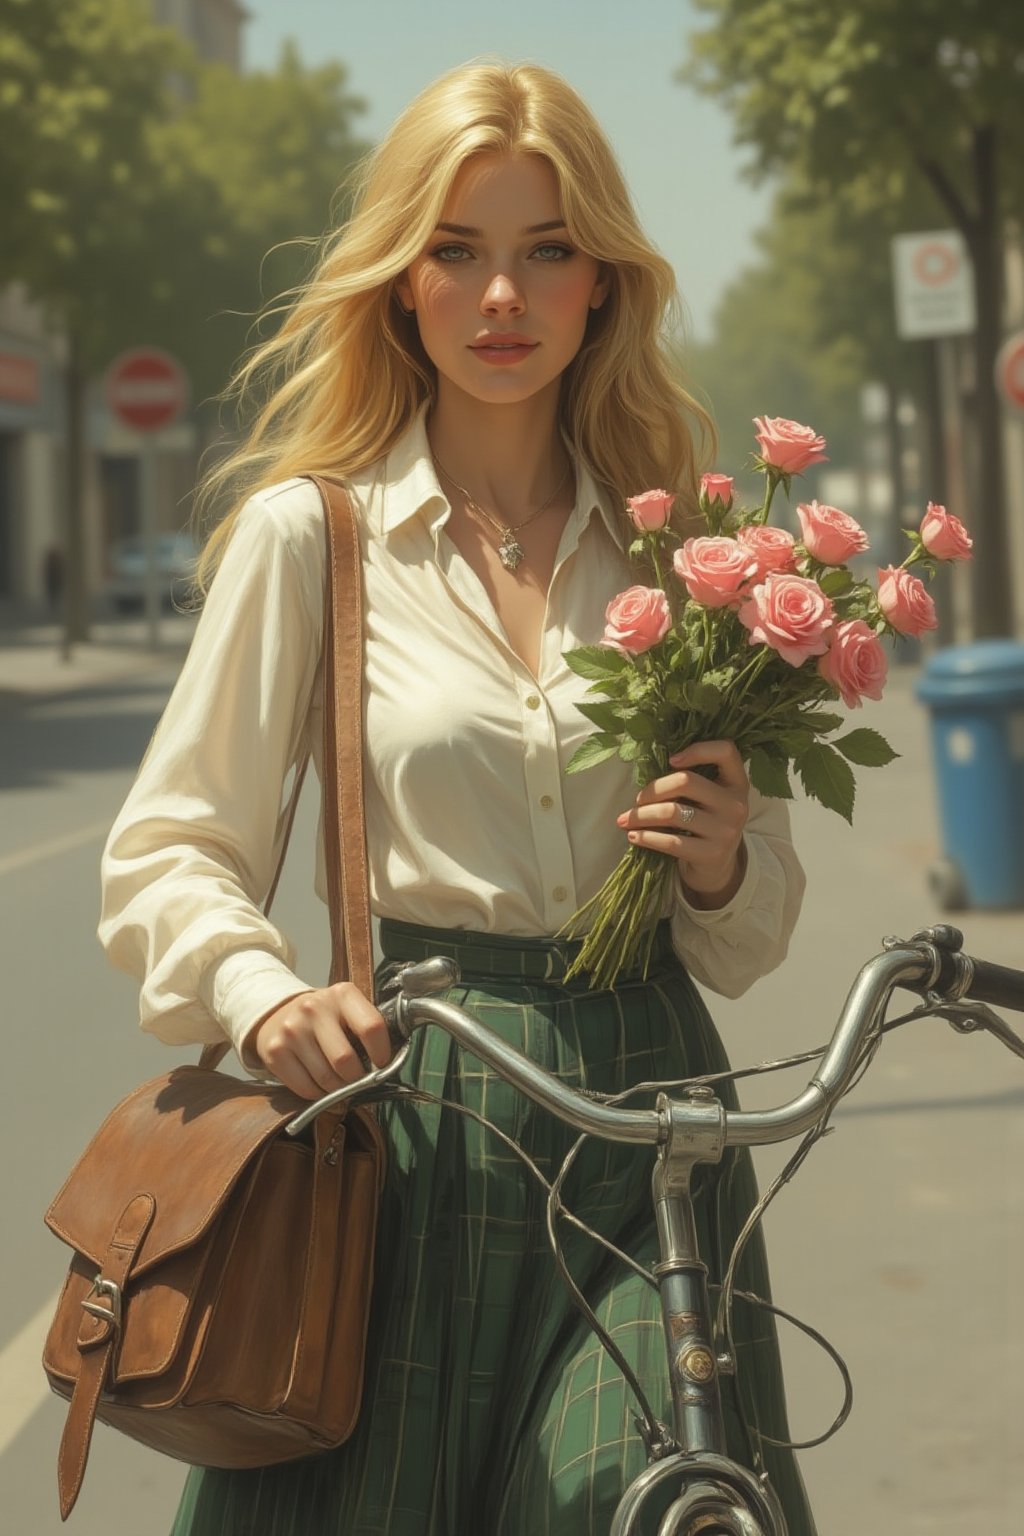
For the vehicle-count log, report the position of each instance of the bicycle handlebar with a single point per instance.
(931, 964)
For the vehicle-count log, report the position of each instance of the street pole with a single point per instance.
(147, 498)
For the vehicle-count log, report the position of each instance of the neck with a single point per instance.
(508, 457)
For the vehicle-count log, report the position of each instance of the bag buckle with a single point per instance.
(112, 1291)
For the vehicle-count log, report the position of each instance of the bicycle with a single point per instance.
(711, 1494)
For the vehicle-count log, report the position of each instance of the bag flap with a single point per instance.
(184, 1138)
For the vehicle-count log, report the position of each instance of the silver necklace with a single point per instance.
(510, 552)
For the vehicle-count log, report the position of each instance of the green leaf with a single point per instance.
(833, 582)
(606, 716)
(591, 752)
(640, 727)
(629, 750)
(867, 748)
(768, 775)
(794, 742)
(820, 721)
(828, 777)
(596, 661)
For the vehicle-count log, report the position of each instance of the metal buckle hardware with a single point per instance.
(111, 1314)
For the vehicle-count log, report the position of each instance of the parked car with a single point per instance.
(125, 587)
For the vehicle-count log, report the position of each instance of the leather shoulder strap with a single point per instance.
(344, 817)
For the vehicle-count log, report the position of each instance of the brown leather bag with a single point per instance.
(217, 1302)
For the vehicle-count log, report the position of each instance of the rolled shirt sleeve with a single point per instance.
(727, 949)
(193, 851)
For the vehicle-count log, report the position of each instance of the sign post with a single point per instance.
(147, 390)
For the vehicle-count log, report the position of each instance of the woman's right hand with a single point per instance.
(312, 1042)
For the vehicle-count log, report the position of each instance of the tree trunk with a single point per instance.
(896, 547)
(76, 597)
(993, 597)
(936, 479)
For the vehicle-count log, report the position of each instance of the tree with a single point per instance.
(255, 170)
(929, 96)
(82, 80)
(143, 190)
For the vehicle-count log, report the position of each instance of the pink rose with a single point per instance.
(944, 535)
(905, 602)
(830, 536)
(791, 614)
(855, 663)
(637, 619)
(714, 570)
(716, 488)
(788, 446)
(650, 511)
(772, 548)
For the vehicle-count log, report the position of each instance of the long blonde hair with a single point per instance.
(345, 372)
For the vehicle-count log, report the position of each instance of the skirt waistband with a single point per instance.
(506, 955)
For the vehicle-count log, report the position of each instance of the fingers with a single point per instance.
(323, 1039)
(695, 819)
(722, 754)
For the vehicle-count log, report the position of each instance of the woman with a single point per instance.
(477, 354)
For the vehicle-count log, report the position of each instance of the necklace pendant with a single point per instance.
(510, 552)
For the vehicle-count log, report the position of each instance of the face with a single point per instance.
(501, 294)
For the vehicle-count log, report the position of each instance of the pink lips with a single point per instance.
(503, 348)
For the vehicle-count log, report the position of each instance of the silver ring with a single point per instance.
(686, 813)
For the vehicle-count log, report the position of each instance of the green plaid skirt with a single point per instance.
(489, 1405)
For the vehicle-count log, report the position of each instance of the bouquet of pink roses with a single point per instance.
(748, 636)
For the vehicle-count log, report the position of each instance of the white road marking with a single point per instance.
(38, 851)
(23, 1384)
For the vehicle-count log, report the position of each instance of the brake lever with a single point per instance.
(968, 1017)
(377, 1084)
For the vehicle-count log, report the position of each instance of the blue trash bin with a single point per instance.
(976, 697)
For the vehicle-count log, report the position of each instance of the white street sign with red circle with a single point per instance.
(1010, 371)
(934, 285)
(147, 389)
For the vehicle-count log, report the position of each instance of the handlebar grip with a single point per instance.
(997, 984)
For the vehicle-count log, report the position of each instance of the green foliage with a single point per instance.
(855, 93)
(142, 190)
(828, 778)
(866, 748)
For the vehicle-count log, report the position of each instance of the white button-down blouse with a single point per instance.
(471, 820)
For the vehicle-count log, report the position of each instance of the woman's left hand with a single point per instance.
(697, 820)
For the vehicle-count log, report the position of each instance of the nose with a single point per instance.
(502, 296)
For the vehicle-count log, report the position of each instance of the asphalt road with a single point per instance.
(901, 1239)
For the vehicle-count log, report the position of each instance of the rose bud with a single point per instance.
(650, 511)
(787, 446)
(829, 535)
(636, 619)
(944, 535)
(855, 663)
(905, 602)
(716, 488)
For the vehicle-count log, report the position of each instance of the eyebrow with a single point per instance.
(477, 234)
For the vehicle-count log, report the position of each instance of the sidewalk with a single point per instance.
(33, 666)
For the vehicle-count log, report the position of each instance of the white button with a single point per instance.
(560, 893)
(533, 701)
(546, 802)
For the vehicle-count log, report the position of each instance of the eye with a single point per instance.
(551, 251)
(450, 252)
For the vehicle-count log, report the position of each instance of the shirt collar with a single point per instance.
(410, 485)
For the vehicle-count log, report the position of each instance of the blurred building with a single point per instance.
(32, 432)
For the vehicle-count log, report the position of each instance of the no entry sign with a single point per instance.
(146, 389)
(1010, 371)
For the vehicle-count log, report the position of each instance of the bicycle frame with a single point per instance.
(716, 1494)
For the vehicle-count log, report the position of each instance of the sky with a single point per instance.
(673, 145)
